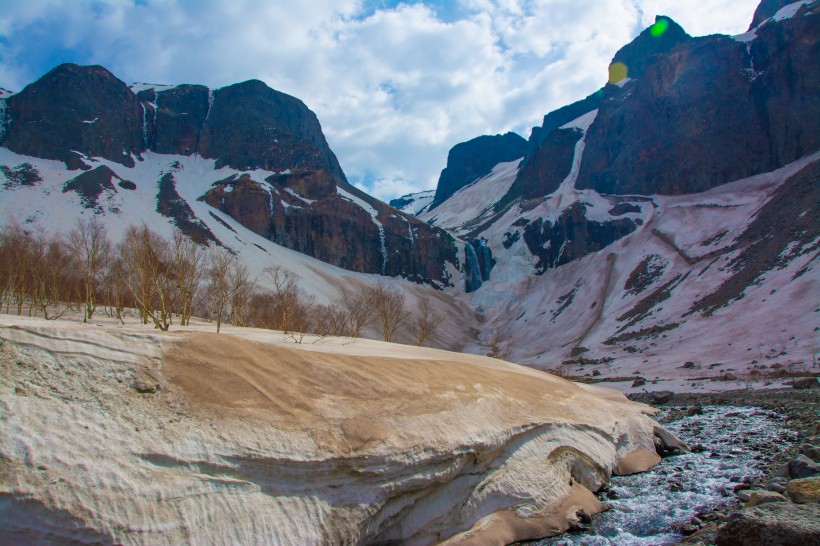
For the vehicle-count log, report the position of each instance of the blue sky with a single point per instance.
(395, 85)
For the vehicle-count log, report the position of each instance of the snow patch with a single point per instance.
(139, 86)
(91, 121)
(289, 191)
(787, 12)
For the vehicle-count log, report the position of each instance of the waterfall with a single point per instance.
(144, 126)
(383, 246)
(485, 259)
(472, 270)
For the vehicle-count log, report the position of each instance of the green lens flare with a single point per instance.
(659, 28)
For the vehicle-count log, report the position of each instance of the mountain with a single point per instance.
(259, 157)
(672, 217)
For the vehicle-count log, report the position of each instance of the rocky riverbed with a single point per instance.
(752, 477)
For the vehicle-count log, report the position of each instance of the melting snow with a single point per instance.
(91, 121)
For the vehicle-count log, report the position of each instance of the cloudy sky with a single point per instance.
(395, 85)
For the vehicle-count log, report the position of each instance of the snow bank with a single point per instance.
(242, 438)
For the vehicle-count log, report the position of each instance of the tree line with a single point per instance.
(167, 281)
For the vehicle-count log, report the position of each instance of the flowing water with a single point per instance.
(651, 506)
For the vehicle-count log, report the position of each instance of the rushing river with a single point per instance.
(650, 506)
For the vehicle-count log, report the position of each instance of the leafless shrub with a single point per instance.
(389, 305)
(425, 322)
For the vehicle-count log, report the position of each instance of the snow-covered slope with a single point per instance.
(691, 283)
(118, 434)
(131, 198)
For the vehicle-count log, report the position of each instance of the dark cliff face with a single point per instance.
(708, 112)
(251, 126)
(74, 108)
(572, 237)
(476, 158)
(543, 172)
(322, 223)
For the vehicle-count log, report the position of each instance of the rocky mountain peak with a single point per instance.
(72, 109)
(476, 158)
(632, 60)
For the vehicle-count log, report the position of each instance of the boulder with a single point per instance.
(806, 383)
(804, 490)
(774, 524)
(762, 496)
(803, 467)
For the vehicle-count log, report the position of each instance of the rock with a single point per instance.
(639, 382)
(662, 397)
(806, 383)
(810, 451)
(803, 467)
(776, 487)
(694, 410)
(775, 524)
(20, 391)
(744, 495)
(689, 365)
(760, 496)
(804, 490)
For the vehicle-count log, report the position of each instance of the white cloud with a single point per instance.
(394, 88)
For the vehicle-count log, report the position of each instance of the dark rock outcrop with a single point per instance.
(171, 205)
(572, 236)
(562, 116)
(180, 115)
(771, 524)
(709, 111)
(543, 172)
(473, 159)
(322, 223)
(72, 109)
(23, 175)
(90, 185)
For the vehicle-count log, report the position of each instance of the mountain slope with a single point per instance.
(636, 239)
(261, 159)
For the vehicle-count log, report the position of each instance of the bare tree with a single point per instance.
(286, 293)
(221, 262)
(149, 275)
(425, 322)
(91, 250)
(188, 262)
(498, 346)
(241, 288)
(389, 306)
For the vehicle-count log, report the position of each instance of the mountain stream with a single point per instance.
(650, 507)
